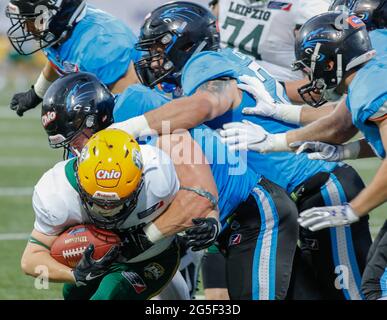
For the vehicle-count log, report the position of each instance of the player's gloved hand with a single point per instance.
(265, 104)
(246, 135)
(89, 269)
(21, 102)
(323, 151)
(203, 234)
(325, 217)
(134, 243)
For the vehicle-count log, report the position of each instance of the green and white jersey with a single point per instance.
(57, 204)
(264, 30)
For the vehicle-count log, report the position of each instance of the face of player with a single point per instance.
(79, 141)
(156, 52)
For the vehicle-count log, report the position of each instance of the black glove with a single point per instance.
(89, 269)
(134, 243)
(203, 234)
(21, 102)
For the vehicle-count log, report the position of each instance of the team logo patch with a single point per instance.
(48, 118)
(355, 22)
(277, 5)
(312, 244)
(69, 67)
(75, 231)
(235, 239)
(137, 159)
(84, 154)
(153, 271)
(135, 280)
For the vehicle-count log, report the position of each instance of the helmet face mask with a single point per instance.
(109, 214)
(38, 24)
(169, 37)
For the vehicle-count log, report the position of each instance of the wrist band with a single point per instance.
(152, 232)
(351, 150)
(203, 193)
(290, 113)
(41, 85)
(137, 126)
(280, 142)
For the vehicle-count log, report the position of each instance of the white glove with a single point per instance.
(246, 135)
(325, 217)
(265, 104)
(323, 151)
(137, 127)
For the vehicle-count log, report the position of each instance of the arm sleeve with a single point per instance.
(203, 67)
(46, 221)
(380, 115)
(110, 55)
(162, 173)
(137, 100)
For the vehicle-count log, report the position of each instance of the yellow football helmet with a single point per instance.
(110, 177)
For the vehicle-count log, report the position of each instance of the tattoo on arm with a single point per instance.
(218, 86)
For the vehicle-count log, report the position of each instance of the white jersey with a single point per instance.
(57, 204)
(264, 30)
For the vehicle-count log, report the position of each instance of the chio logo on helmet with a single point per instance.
(48, 118)
(108, 175)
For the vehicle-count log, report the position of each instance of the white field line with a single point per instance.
(7, 114)
(8, 161)
(24, 142)
(13, 236)
(16, 192)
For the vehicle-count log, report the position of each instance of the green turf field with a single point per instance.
(24, 157)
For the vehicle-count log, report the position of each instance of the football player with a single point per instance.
(182, 50)
(149, 187)
(241, 197)
(346, 63)
(74, 36)
(265, 30)
(374, 15)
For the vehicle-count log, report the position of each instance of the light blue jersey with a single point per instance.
(367, 93)
(378, 41)
(232, 177)
(100, 44)
(285, 168)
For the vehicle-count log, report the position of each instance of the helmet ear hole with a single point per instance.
(329, 65)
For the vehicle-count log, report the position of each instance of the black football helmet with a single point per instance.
(170, 35)
(73, 103)
(41, 22)
(331, 36)
(372, 12)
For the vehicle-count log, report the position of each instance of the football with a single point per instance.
(68, 248)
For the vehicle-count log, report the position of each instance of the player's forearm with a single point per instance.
(310, 114)
(329, 129)
(365, 150)
(49, 72)
(374, 195)
(43, 265)
(125, 81)
(183, 113)
(186, 206)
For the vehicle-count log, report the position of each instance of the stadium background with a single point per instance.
(25, 155)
